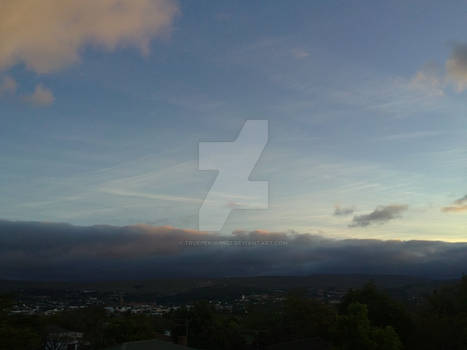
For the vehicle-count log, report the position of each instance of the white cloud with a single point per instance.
(41, 96)
(48, 35)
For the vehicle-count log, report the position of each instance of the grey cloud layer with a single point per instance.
(380, 215)
(60, 251)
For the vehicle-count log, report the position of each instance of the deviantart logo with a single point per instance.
(234, 162)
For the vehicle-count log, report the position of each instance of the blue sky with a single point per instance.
(365, 102)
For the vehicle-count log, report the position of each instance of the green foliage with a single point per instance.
(307, 317)
(442, 320)
(19, 338)
(299, 317)
(16, 332)
(208, 329)
(102, 329)
(355, 331)
(383, 311)
(123, 329)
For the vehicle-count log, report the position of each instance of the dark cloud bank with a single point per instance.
(47, 251)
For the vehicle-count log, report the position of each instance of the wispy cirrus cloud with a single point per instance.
(300, 53)
(411, 135)
(429, 80)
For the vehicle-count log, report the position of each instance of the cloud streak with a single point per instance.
(380, 215)
(459, 205)
(339, 211)
(429, 80)
(462, 200)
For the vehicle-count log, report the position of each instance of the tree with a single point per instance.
(14, 332)
(383, 311)
(355, 332)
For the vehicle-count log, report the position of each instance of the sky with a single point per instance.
(103, 105)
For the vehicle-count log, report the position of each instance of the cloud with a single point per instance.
(456, 66)
(8, 86)
(380, 215)
(33, 250)
(411, 135)
(339, 211)
(432, 79)
(49, 35)
(460, 205)
(454, 209)
(429, 80)
(461, 200)
(300, 53)
(41, 96)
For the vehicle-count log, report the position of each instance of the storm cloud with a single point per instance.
(47, 251)
(380, 215)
